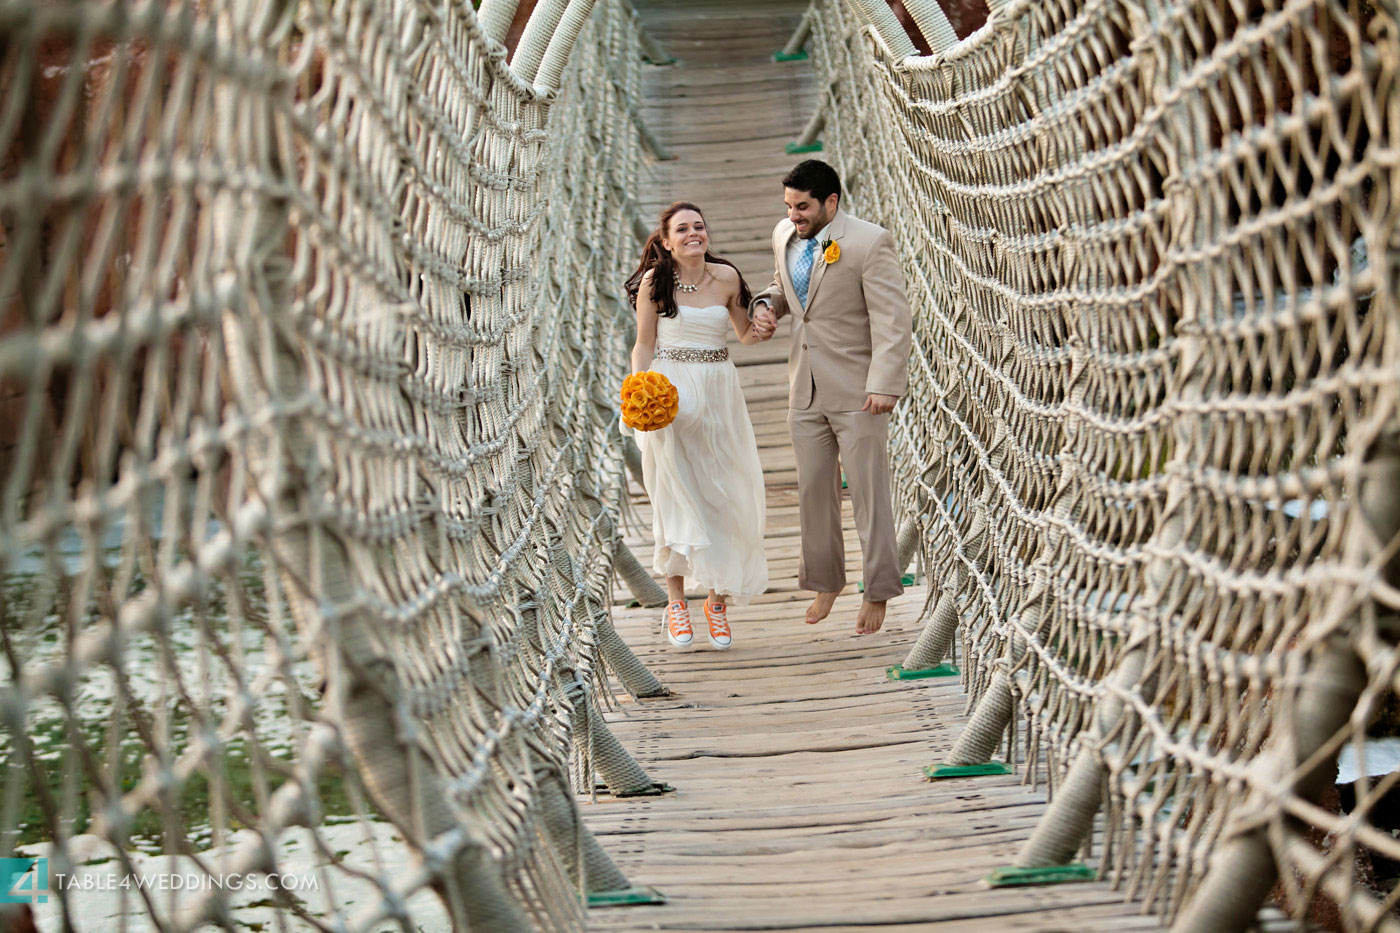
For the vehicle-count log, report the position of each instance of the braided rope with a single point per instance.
(310, 501)
(1152, 248)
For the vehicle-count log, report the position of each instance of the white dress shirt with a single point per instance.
(795, 245)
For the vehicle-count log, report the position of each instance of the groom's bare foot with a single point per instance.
(871, 617)
(821, 607)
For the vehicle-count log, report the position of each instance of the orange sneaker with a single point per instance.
(678, 630)
(717, 615)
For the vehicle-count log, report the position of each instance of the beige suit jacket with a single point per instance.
(852, 338)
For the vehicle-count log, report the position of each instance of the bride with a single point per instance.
(701, 472)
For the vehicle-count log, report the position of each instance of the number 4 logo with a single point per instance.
(24, 881)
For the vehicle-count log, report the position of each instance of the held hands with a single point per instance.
(764, 322)
(879, 404)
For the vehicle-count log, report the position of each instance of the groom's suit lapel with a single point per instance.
(835, 232)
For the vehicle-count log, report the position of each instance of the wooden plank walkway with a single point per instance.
(800, 802)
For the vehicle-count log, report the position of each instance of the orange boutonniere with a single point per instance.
(831, 252)
(649, 401)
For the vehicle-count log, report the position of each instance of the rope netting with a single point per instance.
(310, 312)
(1153, 440)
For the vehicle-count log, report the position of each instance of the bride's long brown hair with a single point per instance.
(663, 280)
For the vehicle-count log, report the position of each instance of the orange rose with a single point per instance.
(649, 401)
(832, 253)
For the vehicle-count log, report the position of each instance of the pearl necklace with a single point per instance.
(691, 289)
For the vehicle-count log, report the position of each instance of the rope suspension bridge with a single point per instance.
(322, 589)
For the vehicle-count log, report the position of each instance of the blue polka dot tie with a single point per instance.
(802, 269)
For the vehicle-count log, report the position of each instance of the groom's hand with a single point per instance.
(879, 404)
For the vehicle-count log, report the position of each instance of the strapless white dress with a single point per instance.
(702, 472)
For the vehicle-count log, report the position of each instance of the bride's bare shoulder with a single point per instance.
(724, 273)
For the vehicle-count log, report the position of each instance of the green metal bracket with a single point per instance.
(1011, 877)
(655, 790)
(906, 579)
(627, 897)
(799, 56)
(794, 149)
(940, 772)
(899, 673)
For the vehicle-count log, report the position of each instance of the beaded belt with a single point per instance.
(692, 354)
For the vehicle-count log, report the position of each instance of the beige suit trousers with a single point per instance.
(860, 441)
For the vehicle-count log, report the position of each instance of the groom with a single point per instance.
(840, 280)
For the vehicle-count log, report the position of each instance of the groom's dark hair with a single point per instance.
(814, 177)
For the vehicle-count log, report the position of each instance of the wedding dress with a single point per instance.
(702, 472)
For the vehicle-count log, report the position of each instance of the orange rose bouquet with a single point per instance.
(649, 401)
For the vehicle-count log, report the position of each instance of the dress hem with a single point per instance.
(692, 579)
